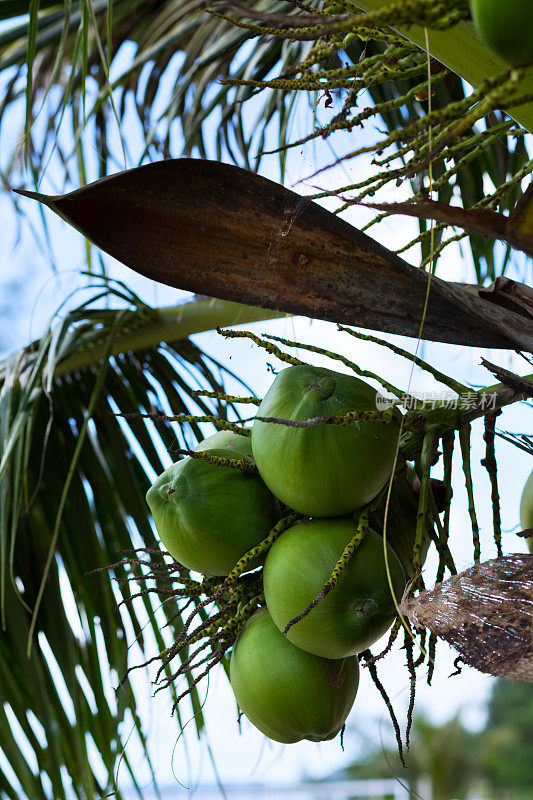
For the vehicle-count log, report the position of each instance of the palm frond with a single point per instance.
(64, 639)
(70, 50)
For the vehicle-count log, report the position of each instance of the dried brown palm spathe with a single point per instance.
(485, 613)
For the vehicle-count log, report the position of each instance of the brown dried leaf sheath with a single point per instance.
(486, 613)
(221, 231)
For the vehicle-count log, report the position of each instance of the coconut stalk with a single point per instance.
(461, 50)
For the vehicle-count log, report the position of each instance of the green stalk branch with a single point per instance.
(169, 325)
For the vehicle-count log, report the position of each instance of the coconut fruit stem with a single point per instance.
(426, 459)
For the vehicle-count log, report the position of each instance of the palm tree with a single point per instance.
(74, 465)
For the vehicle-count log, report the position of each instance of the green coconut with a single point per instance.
(356, 612)
(324, 470)
(209, 516)
(286, 693)
(227, 440)
(506, 27)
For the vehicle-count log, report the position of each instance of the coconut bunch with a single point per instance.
(292, 542)
(286, 526)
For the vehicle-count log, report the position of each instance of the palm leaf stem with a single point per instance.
(168, 324)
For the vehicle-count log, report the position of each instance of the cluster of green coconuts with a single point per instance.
(301, 685)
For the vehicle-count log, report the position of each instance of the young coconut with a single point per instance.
(356, 612)
(286, 693)
(506, 27)
(208, 516)
(227, 440)
(325, 470)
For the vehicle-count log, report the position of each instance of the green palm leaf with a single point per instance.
(70, 44)
(73, 475)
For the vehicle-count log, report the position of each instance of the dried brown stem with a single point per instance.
(489, 462)
(367, 655)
